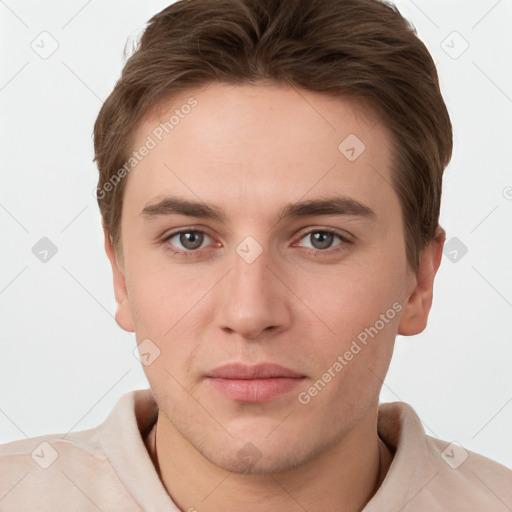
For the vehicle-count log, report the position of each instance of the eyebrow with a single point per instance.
(333, 205)
(177, 206)
(337, 205)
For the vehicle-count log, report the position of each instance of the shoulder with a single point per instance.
(71, 471)
(54, 472)
(432, 474)
(473, 477)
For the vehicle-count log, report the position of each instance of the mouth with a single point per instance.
(253, 384)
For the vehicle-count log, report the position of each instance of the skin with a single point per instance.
(250, 150)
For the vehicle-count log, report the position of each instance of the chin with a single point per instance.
(263, 455)
(263, 463)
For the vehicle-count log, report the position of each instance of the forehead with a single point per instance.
(259, 146)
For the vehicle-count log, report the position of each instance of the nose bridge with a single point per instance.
(254, 300)
(250, 277)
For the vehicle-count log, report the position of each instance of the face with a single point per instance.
(264, 270)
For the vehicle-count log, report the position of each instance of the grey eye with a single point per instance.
(189, 240)
(321, 239)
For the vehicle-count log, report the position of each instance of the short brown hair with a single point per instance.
(362, 49)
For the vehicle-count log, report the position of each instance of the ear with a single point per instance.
(417, 307)
(123, 313)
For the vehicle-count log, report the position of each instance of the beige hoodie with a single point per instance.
(108, 468)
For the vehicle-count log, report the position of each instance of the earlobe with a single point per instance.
(418, 303)
(123, 312)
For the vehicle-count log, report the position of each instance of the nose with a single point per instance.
(252, 300)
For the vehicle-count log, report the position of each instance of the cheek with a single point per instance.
(362, 310)
(164, 297)
(162, 308)
(355, 298)
(170, 307)
(350, 365)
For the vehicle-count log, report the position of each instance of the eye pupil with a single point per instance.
(191, 240)
(322, 240)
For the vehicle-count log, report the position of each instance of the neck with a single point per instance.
(344, 477)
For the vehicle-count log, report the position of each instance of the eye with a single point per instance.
(188, 241)
(322, 239)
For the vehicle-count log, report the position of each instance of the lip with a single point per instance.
(254, 384)
(257, 371)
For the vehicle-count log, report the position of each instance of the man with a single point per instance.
(270, 183)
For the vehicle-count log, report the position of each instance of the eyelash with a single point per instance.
(192, 253)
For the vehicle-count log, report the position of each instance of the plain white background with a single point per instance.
(65, 362)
